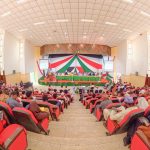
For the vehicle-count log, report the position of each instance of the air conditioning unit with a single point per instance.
(136, 73)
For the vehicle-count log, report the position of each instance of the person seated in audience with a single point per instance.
(106, 101)
(4, 95)
(117, 114)
(29, 95)
(35, 109)
(143, 104)
(13, 100)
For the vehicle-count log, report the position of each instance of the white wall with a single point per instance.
(121, 57)
(29, 57)
(140, 55)
(11, 53)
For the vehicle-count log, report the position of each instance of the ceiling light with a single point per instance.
(87, 20)
(128, 1)
(84, 36)
(57, 45)
(22, 30)
(69, 45)
(101, 38)
(39, 23)
(62, 20)
(81, 45)
(145, 14)
(6, 14)
(127, 30)
(111, 23)
(20, 1)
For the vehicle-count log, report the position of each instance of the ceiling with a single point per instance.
(105, 22)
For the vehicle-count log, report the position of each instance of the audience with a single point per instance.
(13, 100)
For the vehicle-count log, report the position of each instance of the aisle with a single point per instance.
(76, 130)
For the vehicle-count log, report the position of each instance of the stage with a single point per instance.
(74, 80)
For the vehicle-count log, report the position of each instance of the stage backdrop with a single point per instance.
(75, 63)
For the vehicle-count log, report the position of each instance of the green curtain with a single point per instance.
(85, 68)
(63, 69)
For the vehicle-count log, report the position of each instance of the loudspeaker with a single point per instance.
(14, 71)
(136, 73)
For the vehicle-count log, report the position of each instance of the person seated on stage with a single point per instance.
(66, 73)
(13, 101)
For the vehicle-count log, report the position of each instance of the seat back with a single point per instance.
(139, 141)
(6, 108)
(13, 137)
(26, 118)
(147, 111)
(129, 118)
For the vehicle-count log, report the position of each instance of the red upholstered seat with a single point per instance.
(114, 127)
(13, 137)
(26, 118)
(53, 109)
(147, 112)
(99, 114)
(6, 108)
(91, 100)
(99, 111)
(139, 142)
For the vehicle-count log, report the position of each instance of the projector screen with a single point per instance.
(109, 66)
(44, 64)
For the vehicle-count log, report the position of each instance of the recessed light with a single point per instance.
(128, 1)
(84, 36)
(127, 30)
(66, 33)
(39, 23)
(57, 45)
(6, 14)
(111, 23)
(69, 45)
(87, 20)
(22, 30)
(81, 45)
(145, 13)
(62, 20)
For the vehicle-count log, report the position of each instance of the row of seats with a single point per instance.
(139, 140)
(21, 119)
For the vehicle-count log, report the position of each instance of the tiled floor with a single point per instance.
(76, 130)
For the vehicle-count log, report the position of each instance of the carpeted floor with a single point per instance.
(76, 130)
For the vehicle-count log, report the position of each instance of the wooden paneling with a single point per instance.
(138, 81)
(16, 78)
(75, 48)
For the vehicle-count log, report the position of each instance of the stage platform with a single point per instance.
(73, 81)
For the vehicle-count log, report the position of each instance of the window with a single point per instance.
(129, 50)
(1, 50)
